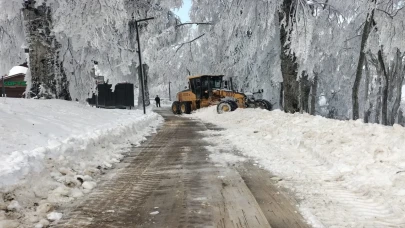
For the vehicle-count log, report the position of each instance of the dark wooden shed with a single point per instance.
(14, 85)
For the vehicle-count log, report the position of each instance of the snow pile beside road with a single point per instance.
(224, 158)
(52, 151)
(345, 173)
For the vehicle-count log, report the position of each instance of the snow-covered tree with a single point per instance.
(12, 37)
(278, 46)
(88, 31)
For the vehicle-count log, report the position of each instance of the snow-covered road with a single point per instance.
(345, 173)
(170, 181)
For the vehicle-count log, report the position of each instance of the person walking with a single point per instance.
(157, 99)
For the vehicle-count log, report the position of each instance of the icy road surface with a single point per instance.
(172, 181)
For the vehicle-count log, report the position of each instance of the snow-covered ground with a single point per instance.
(344, 173)
(52, 151)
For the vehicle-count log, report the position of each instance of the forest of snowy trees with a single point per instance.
(343, 59)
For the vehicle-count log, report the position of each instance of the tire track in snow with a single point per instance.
(170, 183)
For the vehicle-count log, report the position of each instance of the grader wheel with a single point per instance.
(263, 104)
(224, 106)
(233, 104)
(176, 108)
(185, 107)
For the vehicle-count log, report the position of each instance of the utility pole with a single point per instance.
(170, 97)
(3, 87)
(140, 60)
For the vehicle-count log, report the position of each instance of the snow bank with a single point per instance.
(345, 173)
(53, 150)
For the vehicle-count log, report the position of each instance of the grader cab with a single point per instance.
(208, 90)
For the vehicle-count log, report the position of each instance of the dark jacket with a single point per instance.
(157, 99)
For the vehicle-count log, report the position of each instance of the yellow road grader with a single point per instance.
(208, 90)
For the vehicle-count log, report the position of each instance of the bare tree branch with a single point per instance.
(182, 44)
(194, 23)
(389, 14)
(352, 38)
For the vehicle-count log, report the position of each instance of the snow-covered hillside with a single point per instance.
(51, 151)
(345, 173)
